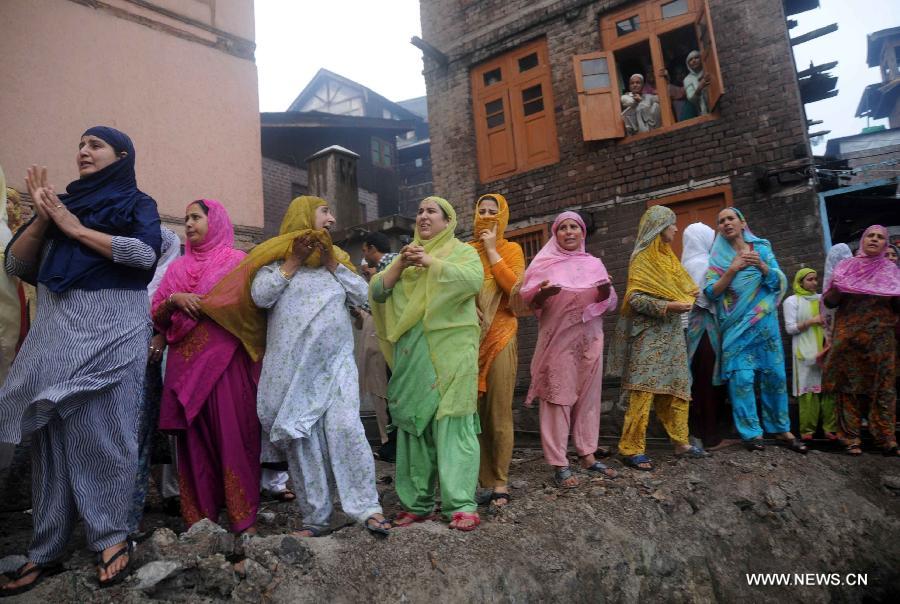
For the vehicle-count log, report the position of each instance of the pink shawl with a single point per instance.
(868, 275)
(199, 350)
(575, 270)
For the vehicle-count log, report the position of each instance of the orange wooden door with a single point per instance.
(699, 206)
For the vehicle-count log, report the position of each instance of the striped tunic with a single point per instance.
(82, 345)
(76, 384)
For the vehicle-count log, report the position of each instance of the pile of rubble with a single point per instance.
(690, 531)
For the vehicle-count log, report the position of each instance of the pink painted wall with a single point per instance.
(192, 110)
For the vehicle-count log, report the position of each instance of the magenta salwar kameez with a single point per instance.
(209, 394)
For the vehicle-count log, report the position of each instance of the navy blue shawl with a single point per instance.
(110, 202)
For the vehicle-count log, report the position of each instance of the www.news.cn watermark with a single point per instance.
(808, 579)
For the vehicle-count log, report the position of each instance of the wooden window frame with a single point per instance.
(724, 190)
(521, 233)
(513, 133)
(600, 126)
(384, 150)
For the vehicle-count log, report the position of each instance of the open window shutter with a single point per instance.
(709, 55)
(494, 133)
(598, 96)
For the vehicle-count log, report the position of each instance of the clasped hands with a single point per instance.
(748, 258)
(47, 205)
(414, 255)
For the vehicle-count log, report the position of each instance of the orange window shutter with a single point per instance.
(598, 96)
(708, 55)
(494, 134)
(535, 128)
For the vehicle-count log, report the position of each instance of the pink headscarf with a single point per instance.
(868, 275)
(575, 270)
(200, 349)
(202, 265)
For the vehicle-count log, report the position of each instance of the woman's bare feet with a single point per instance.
(724, 444)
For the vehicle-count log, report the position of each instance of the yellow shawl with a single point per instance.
(654, 268)
(230, 304)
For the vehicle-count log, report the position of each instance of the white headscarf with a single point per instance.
(5, 233)
(169, 250)
(697, 240)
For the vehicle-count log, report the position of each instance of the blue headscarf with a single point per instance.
(110, 202)
(750, 297)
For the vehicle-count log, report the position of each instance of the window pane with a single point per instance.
(493, 107)
(601, 80)
(494, 111)
(594, 67)
(529, 62)
(530, 94)
(534, 107)
(674, 9)
(628, 26)
(375, 146)
(493, 76)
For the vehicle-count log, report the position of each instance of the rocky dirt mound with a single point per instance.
(689, 532)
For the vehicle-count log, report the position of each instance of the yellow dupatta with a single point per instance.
(654, 268)
(230, 304)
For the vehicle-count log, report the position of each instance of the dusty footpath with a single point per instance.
(691, 531)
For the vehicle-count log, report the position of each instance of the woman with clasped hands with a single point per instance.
(424, 310)
(77, 383)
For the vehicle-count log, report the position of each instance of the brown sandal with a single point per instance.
(854, 450)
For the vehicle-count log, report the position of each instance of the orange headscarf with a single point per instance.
(498, 323)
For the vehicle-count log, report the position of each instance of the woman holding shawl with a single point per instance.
(569, 291)
(803, 320)
(424, 310)
(704, 343)
(860, 368)
(209, 394)
(746, 285)
(649, 350)
(503, 263)
(308, 400)
(76, 383)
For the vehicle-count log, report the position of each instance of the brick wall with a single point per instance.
(282, 182)
(369, 201)
(761, 125)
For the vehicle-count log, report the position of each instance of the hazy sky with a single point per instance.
(368, 41)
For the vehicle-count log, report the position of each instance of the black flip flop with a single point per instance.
(379, 530)
(495, 496)
(794, 445)
(285, 496)
(128, 550)
(43, 571)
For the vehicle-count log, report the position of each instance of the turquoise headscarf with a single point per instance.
(750, 297)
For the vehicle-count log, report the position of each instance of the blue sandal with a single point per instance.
(694, 452)
(635, 460)
(562, 475)
(313, 532)
(602, 469)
